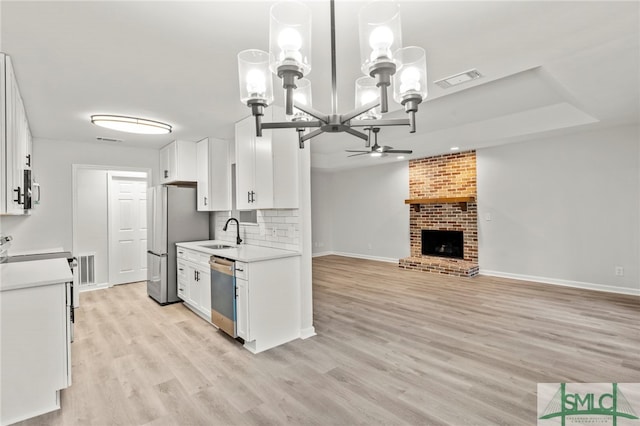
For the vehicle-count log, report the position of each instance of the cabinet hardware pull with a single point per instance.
(205, 201)
(253, 197)
(28, 160)
(248, 196)
(18, 195)
(239, 270)
(180, 269)
(166, 174)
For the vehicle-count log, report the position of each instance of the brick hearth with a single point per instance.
(451, 175)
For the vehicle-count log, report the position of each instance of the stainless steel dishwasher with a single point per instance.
(223, 294)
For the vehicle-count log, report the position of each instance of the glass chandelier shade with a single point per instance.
(380, 33)
(302, 96)
(366, 92)
(290, 37)
(255, 78)
(410, 82)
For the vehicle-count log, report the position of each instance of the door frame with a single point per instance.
(74, 191)
(111, 174)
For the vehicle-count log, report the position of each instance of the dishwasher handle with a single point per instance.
(222, 265)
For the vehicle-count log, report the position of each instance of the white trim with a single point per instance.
(307, 332)
(356, 256)
(564, 283)
(94, 287)
(322, 253)
(74, 193)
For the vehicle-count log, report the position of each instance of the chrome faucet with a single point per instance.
(224, 228)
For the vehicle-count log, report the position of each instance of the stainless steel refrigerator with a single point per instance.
(172, 218)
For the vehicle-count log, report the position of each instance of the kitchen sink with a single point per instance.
(218, 246)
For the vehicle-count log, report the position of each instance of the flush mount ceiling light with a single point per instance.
(131, 124)
(384, 61)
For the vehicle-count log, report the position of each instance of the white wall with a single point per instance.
(363, 210)
(322, 206)
(92, 220)
(50, 224)
(563, 210)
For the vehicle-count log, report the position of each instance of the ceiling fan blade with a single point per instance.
(361, 153)
(399, 151)
(356, 150)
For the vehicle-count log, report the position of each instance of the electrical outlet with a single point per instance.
(487, 217)
(619, 271)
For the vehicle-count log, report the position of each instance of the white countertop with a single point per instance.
(33, 274)
(242, 253)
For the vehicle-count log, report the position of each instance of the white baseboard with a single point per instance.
(322, 253)
(367, 257)
(305, 333)
(564, 283)
(92, 287)
(356, 256)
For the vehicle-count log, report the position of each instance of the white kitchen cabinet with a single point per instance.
(266, 167)
(15, 142)
(194, 281)
(214, 175)
(35, 337)
(242, 309)
(178, 162)
(183, 281)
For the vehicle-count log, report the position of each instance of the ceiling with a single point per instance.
(548, 67)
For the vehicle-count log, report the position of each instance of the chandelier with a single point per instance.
(384, 63)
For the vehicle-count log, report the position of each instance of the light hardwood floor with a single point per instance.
(393, 347)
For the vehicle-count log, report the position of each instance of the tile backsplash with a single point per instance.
(275, 228)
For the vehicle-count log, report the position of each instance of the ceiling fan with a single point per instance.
(377, 150)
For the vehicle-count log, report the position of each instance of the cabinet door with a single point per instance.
(263, 171)
(245, 135)
(16, 136)
(202, 166)
(204, 281)
(165, 163)
(183, 281)
(219, 175)
(242, 309)
(193, 297)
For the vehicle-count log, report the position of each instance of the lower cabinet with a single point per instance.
(194, 282)
(242, 309)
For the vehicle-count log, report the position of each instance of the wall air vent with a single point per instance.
(101, 139)
(460, 78)
(86, 269)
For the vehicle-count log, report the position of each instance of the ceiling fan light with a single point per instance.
(376, 154)
(131, 124)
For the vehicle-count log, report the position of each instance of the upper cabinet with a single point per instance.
(15, 145)
(178, 162)
(266, 167)
(214, 175)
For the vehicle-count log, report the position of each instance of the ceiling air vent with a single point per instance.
(460, 78)
(101, 139)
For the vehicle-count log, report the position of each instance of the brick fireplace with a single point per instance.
(442, 195)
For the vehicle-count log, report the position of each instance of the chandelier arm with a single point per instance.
(311, 135)
(356, 133)
(334, 84)
(358, 111)
(291, 124)
(381, 123)
(312, 112)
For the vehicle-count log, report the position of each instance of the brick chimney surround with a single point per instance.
(442, 195)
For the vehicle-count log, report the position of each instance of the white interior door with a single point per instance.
(127, 227)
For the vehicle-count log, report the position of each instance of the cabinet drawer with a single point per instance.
(181, 253)
(242, 270)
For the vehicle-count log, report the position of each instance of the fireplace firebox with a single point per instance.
(443, 243)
